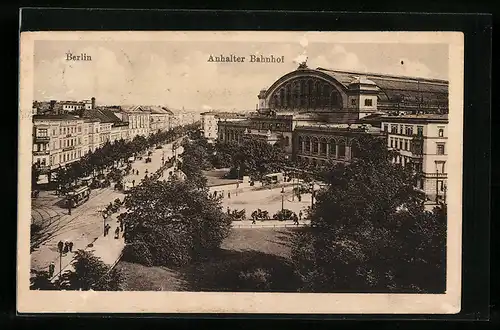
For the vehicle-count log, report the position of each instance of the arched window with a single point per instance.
(341, 147)
(355, 149)
(307, 143)
(322, 146)
(315, 145)
(282, 98)
(287, 95)
(333, 148)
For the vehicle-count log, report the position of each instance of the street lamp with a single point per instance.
(238, 180)
(104, 217)
(312, 195)
(282, 201)
(60, 248)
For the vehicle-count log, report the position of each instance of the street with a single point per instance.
(85, 224)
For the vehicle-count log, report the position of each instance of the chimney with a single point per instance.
(93, 102)
(52, 106)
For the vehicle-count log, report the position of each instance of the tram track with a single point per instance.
(52, 230)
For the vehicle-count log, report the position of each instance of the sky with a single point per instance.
(177, 74)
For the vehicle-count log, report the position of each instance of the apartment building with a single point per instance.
(138, 120)
(210, 120)
(421, 142)
(57, 140)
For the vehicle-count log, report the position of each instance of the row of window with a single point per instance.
(44, 132)
(401, 144)
(408, 130)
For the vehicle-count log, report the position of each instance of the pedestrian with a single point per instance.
(229, 195)
(133, 183)
(253, 221)
(121, 224)
(300, 197)
(66, 248)
(117, 232)
(52, 269)
(228, 211)
(70, 246)
(300, 215)
(60, 246)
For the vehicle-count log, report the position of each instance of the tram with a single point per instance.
(78, 196)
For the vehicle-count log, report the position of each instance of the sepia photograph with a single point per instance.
(240, 172)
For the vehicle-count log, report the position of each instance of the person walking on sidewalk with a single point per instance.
(66, 248)
(117, 232)
(52, 268)
(70, 246)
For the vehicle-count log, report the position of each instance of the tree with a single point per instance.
(40, 280)
(251, 157)
(370, 230)
(90, 273)
(172, 223)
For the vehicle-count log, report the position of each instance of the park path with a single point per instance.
(270, 224)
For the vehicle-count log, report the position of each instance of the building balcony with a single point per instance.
(436, 175)
(41, 139)
(69, 148)
(44, 169)
(41, 152)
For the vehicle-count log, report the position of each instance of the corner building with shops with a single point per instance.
(319, 114)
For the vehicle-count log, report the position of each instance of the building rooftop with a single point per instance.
(244, 122)
(56, 117)
(102, 114)
(417, 117)
(398, 89)
(130, 108)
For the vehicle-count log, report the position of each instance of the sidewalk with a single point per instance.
(107, 248)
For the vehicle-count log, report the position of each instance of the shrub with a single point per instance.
(257, 279)
(285, 214)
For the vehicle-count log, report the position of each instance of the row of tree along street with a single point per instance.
(106, 157)
(369, 230)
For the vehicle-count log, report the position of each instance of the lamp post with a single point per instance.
(312, 195)
(104, 217)
(238, 180)
(60, 247)
(282, 201)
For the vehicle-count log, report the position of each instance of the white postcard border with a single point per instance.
(215, 302)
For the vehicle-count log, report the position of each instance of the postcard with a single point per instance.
(240, 172)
